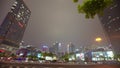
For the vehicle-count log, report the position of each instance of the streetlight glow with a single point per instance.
(98, 39)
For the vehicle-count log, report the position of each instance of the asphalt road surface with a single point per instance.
(56, 65)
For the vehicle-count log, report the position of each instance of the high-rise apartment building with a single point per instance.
(111, 24)
(13, 27)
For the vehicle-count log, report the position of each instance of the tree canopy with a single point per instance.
(92, 7)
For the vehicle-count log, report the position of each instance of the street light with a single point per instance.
(98, 39)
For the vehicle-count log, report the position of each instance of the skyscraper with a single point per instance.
(70, 48)
(13, 27)
(56, 48)
(111, 24)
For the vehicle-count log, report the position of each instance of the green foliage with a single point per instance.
(92, 7)
(2, 54)
(116, 56)
(75, 1)
(32, 57)
(41, 58)
(12, 55)
(48, 54)
(66, 57)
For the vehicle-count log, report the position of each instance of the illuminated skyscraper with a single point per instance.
(70, 48)
(111, 24)
(13, 27)
(56, 48)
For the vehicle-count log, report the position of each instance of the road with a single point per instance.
(55, 65)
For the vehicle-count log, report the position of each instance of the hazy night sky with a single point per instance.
(58, 20)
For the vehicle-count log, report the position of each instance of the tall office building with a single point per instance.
(13, 27)
(70, 48)
(111, 24)
(51, 50)
(56, 48)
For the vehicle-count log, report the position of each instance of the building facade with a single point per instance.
(13, 27)
(111, 24)
(56, 49)
(70, 48)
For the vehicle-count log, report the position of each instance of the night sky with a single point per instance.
(57, 20)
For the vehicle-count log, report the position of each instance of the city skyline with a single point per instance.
(52, 34)
(58, 20)
(66, 24)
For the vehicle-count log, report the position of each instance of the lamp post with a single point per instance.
(98, 39)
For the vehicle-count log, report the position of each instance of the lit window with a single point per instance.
(28, 11)
(18, 15)
(118, 17)
(16, 2)
(21, 18)
(111, 7)
(12, 7)
(27, 16)
(119, 28)
(22, 6)
(113, 19)
(22, 12)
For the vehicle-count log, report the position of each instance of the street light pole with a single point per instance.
(98, 40)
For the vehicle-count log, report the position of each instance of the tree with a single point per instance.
(92, 7)
(116, 56)
(75, 1)
(67, 56)
(2, 54)
(12, 55)
(32, 57)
